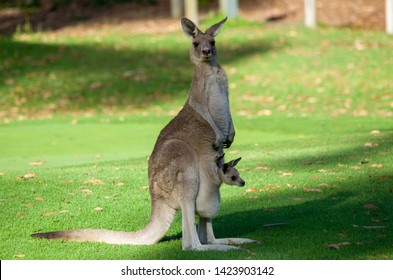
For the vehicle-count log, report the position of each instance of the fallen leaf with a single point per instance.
(26, 176)
(338, 245)
(95, 85)
(291, 186)
(20, 256)
(324, 185)
(234, 152)
(35, 163)
(250, 190)
(374, 132)
(373, 227)
(334, 246)
(296, 198)
(39, 199)
(273, 187)
(21, 214)
(356, 167)
(376, 165)
(64, 211)
(119, 184)
(98, 209)
(262, 168)
(322, 170)
(377, 221)
(287, 174)
(371, 145)
(94, 182)
(29, 204)
(144, 187)
(370, 206)
(254, 196)
(359, 45)
(87, 192)
(312, 190)
(48, 213)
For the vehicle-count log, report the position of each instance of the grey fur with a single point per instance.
(185, 172)
(209, 89)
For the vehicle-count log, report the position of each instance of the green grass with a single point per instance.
(312, 111)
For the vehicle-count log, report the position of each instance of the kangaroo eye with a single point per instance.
(196, 44)
(233, 178)
(213, 43)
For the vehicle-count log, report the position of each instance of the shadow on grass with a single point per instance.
(72, 77)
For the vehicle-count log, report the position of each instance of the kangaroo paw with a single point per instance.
(216, 147)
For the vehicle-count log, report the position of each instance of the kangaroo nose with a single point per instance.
(206, 51)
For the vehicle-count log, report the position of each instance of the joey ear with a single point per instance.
(234, 162)
(189, 28)
(219, 158)
(215, 29)
(225, 168)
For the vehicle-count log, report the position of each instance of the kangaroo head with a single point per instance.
(229, 174)
(203, 44)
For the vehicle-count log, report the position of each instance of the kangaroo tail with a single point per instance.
(160, 220)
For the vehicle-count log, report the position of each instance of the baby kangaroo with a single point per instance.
(229, 175)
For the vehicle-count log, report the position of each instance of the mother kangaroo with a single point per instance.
(183, 172)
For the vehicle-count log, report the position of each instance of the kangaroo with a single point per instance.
(209, 89)
(229, 175)
(184, 173)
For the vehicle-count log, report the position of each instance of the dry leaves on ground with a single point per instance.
(26, 176)
(94, 182)
(337, 246)
(312, 190)
(36, 163)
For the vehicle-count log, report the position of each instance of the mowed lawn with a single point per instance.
(80, 113)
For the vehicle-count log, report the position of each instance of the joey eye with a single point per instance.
(233, 178)
(196, 44)
(213, 43)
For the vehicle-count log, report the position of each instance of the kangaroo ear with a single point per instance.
(215, 29)
(219, 158)
(189, 28)
(235, 161)
(225, 168)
